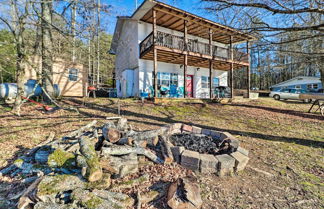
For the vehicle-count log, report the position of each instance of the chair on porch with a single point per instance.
(180, 92)
(174, 91)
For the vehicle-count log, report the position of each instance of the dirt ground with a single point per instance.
(286, 144)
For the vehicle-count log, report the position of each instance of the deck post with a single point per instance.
(248, 73)
(211, 63)
(232, 67)
(185, 60)
(154, 54)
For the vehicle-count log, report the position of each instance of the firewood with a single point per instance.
(122, 124)
(35, 149)
(87, 149)
(27, 196)
(166, 150)
(77, 133)
(126, 141)
(124, 165)
(110, 132)
(149, 196)
(139, 201)
(124, 150)
(151, 137)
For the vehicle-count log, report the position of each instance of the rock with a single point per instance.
(226, 164)
(184, 194)
(186, 128)
(215, 134)
(208, 163)
(196, 130)
(205, 132)
(190, 160)
(176, 152)
(243, 151)
(240, 161)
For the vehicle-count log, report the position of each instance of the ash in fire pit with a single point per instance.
(196, 142)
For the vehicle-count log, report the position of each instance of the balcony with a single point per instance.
(195, 48)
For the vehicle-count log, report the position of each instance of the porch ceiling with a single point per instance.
(173, 18)
(176, 58)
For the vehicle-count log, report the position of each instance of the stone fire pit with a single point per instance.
(207, 151)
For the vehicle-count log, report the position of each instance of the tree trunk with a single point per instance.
(47, 45)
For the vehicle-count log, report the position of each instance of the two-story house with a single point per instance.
(168, 52)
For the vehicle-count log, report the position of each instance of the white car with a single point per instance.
(285, 94)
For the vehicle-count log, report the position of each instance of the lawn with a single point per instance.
(286, 144)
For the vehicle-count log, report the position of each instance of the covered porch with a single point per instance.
(195, 46)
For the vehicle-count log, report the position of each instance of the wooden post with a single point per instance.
(211, 63)
(232, 67)
(248, 70)
(154, 54)
(185, 61)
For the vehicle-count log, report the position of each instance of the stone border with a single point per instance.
(222, 165)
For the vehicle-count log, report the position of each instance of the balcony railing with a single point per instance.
(177, 42)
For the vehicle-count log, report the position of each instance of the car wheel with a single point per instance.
(276, 97)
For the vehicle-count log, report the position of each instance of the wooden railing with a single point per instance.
(177, 42)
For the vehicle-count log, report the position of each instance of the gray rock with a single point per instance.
(226, 164)
(176, 152)
(240, 161)
(208, 163)
(190, 159)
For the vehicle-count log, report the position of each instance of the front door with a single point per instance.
(189, 85)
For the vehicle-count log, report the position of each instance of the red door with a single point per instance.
(189, 85)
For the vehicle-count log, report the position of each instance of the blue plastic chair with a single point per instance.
(174, 91)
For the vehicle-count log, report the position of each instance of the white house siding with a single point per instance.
(146, 76)
(127, 50)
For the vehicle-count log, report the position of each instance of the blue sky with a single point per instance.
(127, 7)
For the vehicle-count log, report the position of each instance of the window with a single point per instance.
(298, 87)
(215, 82)
(204, 82)
(315, 86)
(285, 90)
(309, 86)
(293, 91)
(167, 79)
(73, 74)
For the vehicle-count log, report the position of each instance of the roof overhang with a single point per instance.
(173, 18)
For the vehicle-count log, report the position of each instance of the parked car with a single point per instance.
(287, 93)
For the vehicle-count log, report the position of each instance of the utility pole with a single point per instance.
(98, 44)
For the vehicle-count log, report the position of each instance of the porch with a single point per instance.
(192, 41)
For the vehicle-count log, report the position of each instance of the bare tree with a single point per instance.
(16, 22)
(292, 30)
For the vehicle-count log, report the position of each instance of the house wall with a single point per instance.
(146, 77)
(146, 66)
(61, 77)
(303, 82)
(128, 48)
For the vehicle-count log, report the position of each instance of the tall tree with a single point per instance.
(47, 47)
